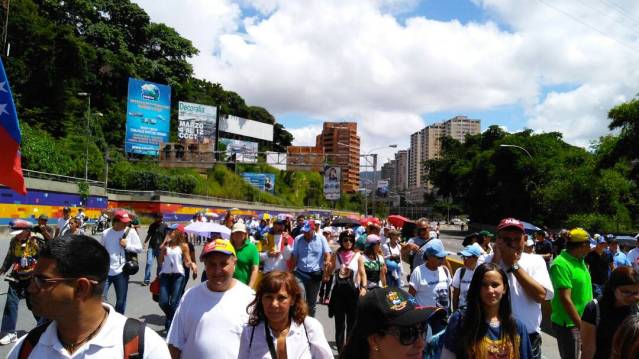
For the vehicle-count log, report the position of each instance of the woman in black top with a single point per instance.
(603, 316)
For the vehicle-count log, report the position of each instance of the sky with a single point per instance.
(395, 66)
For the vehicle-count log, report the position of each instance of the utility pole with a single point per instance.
(374, 182)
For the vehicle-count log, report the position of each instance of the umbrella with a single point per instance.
(204, 229)
(530, 228)
(212, 215)
(397, 220)
(626, 241)
(368, 220)
(284, 216)
(344, 222)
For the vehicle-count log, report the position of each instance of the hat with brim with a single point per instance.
(510, 223)
(19, 225)
(309, 226)
(122, 216)
(473, 250)
(217, 246)
(435, 247)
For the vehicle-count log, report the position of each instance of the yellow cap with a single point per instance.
(218, 245)
(578, 235)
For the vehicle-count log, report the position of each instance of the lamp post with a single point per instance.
(530, 206)
(519, 147)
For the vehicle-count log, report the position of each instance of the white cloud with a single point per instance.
(353, 60)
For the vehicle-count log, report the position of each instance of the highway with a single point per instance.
(141, 306)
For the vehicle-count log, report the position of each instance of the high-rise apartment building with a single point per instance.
(388, 172)
(400, 177)
(341, 146)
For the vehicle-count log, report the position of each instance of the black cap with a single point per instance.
(43, 217)
(385, 307)
(66, 209)
(280, 222)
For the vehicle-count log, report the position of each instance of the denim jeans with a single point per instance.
(568, 341)
(151, 253)
(10, 314)
(311, 289)
(121, 284)
(170, 294)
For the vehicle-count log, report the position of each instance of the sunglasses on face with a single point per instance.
(407, 335)
(629, 293)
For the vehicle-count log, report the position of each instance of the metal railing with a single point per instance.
(59, 178)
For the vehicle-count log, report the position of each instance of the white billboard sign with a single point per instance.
(243, 127)
(277, 160)
(332, 180)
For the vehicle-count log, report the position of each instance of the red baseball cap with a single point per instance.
(122, 216)
(511, 223)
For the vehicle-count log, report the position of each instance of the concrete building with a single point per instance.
(341, 146)
(400, 177)
(305, 158)
(388, 172)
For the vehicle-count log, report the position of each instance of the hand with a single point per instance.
(273, 254)
(194, 271)
(362, 291)
(325, 278)
(123, 243)
(509, 256)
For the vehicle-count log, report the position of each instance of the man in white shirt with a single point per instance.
(277, 247)
(66, 288)
(528, 277)
(118, 240)
(208, 323)
(63, 223)
(633, 257)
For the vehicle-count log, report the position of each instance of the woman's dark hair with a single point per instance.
(356, 346)
(271, 283)
(473, 323)
(79, 256)
(619, 277)
(625, 343)
(349, 233)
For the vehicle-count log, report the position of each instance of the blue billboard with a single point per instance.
(148, 117)
(262, 181)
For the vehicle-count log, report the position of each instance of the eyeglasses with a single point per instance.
(629, 293)
(42, 282)
(407, 335)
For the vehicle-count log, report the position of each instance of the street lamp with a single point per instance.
(519, 147)
(530, 206)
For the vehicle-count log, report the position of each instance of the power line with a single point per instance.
(574, 18)
(621, 10)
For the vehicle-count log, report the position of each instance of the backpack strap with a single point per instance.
(133, 339)
(598, 312)
(252, 334)
(32, 339)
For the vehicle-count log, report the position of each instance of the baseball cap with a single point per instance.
(66, 209)
(238, 227)
(122, 216)
(177, 227)
(218, 245)
(510, 223)
(578, 235)
(435, 247)
(280, 222)
(19, 225)
(391, 306)
(473, 250)
(486, 233)
(372, 239)
(601, 240)
(266, 216)
(43, 217)
(309, 226)
(529, 242)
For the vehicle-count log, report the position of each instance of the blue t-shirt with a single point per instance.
(310, 254)
(492, 347)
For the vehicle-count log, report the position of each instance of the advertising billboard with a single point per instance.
(249, 128)
(148, 117)
(262, 181)
(332, 180)
(277, 160)
(196, 124)
(236, 150)
(382, 188)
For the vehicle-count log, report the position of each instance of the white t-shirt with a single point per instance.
(525, 308)
(106, 344)
(633, 258)
(111, 241)
(432, 286)
(279, 262)
(305, 341)
(463, 284)
(208, 324)
(63, 225)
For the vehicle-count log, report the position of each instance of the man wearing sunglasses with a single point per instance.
(66, 287)
(527, 275)
(414, 249)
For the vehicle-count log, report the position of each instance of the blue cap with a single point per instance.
(435, 247)
(601, 240)
(473, 250)
(309, 226)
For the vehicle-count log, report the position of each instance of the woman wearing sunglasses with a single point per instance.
(278, 326)
(349, 284)
(486, 329)
(389, 326)
(603, 316)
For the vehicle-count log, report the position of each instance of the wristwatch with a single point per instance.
(514, 268)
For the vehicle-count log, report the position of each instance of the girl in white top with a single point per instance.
(278, 326)
(174, 255)
(393, 256)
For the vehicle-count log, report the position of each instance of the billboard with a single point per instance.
(277, 160)
(332, 179)
(249, 128)
(148, 117)
(382, 188)
(196, 124)
(262, 181)
(237, 150)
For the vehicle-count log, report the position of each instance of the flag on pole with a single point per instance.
(10, 139)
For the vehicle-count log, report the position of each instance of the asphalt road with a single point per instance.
(141, 306)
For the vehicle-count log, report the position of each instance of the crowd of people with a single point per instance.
(264, 277)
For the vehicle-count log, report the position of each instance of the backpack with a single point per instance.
(132, 340)
(344, 281)
(634, 309)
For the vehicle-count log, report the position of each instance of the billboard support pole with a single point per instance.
(217, 133)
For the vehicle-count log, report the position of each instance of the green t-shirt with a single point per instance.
(568, 272)
(247, 257)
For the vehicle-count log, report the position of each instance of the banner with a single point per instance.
(148, 117)
(262, 181)
(332, 180)
(249, 128)
(237, 150)
(382, 188)
(196, 124)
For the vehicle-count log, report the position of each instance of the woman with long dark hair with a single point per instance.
(603, 316)
(487, 328)
(349, 284)
(625, 343)
(278, 326)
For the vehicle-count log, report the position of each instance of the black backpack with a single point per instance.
(344, 281)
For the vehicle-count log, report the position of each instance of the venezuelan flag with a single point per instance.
(10, 139)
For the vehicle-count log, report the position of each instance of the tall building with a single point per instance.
(341, 146)
(388, 172)
(426, 145)
(400, 177)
